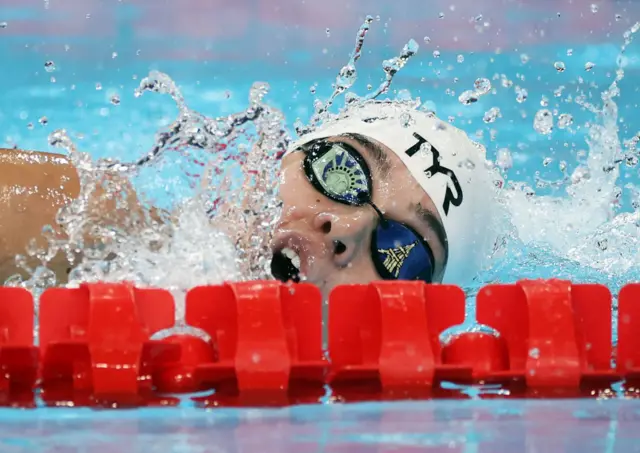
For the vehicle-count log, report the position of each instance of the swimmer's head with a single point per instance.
(384, 192)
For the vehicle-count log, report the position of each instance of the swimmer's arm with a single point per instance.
(33, 187)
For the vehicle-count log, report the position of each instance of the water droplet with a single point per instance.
(440, 15)
(504, 160)
(565, 120)
(543, 122)
(98, 86)
(546, 161)
(313, 88)
(88, 16)
(524, 58)
(369, 87)
(425, 150)
(594, 8)
(436, 54)
(544, 101)
(3, 25)
(558, 91)
(478, 18)
(569, 52)
(559, 65)
(482, 86)
(491, 115)
(115, 99)
(49, 66)
(427, 40)
(618, 17)
(589, 66)
(406, 120)
(328, 32)
(521, 94)
(468, 97)
(114, 55)
(44, 121)
(460, 58)
(534, 353)
(30, 126)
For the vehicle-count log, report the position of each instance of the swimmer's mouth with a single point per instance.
(285, 265)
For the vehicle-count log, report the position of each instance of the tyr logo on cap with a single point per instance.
(449, 198)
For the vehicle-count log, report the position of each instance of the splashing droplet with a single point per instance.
(328, 32)
(482, 86)
(565, 120)
(44, 121)
(406, 120)
(98, 86)
(521, 94)
(504, 161)
(426, 39)
(436, 54)
(460, 59)
(115, 99)
(491, 115)
(543, 122)
(559, 65)
(440, 15)
(594, 8)
(114, 55)
(3, 25)
(589, 66)
(468, 97)
(49, 66)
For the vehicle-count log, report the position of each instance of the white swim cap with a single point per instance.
(451, 169)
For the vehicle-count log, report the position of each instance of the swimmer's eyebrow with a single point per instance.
(374, 151)
(431, 221)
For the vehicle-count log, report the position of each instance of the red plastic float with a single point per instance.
(265, 343)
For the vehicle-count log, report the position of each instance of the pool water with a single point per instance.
(74, 65)
(568, 426)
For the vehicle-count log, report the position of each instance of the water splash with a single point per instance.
(584, 235)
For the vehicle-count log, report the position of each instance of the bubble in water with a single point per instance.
(482, 86)
(491, 115)
(565, 120)
(49, 66)
(504, 161)
(559, 65)
(115, 99)
(468, 97)
(543, 122)
(588, 66)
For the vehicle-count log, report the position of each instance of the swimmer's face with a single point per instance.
(332, 240)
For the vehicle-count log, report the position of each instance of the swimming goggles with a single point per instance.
(339, 172)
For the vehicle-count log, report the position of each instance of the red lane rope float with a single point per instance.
(266, 343)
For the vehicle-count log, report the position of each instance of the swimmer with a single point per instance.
(383, 192)
(387, 193)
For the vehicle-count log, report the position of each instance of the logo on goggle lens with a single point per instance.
(340, 174)
(395, 257)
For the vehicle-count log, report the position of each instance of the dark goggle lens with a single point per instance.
(399, 253)
(339, 172)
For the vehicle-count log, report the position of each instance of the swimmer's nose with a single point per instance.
(344, 236)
